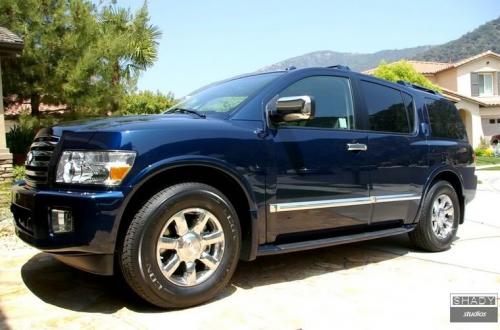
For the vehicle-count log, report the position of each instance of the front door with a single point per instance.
(320, 183)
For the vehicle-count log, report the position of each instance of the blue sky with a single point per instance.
(205, 41)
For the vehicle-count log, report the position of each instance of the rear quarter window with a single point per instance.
(444, 120)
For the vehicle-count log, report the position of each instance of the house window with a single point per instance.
(492, 121)
(485, 84)
(498, 120)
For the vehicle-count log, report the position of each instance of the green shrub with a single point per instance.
(20, 138)
(403, 70)
(489, 152)
(19, 172)
(146, 103)
(479, 152)
(484, 152)
(484, 144)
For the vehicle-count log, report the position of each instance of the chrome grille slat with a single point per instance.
(37, 163)
(33, 183)
(36, 173)
(43, 144)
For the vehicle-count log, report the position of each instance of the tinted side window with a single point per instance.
(332, 99)
(386, 110)
(445, 120)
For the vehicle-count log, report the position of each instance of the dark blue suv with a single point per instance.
(252, 166)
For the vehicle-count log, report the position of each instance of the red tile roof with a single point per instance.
(427, 67)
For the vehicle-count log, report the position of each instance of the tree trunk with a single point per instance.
(115, 81)
(35, 104)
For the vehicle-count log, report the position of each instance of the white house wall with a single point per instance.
(479, 65)
(473, 123)
(487, 114)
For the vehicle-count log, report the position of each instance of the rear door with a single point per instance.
(397, 152)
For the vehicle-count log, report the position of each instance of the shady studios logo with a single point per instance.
(472, 307)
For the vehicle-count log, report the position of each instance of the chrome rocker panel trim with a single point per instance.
(309, 205)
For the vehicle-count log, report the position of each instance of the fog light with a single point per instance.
(62, 221)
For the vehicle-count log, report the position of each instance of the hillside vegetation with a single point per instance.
(486, 37)
(355, 61)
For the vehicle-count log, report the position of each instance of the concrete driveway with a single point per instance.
(382, 283)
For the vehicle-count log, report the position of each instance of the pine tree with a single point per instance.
(77, 53)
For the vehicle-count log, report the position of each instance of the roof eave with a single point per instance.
(454, 95)
(451, 98)
(476, 57)
(8, 49)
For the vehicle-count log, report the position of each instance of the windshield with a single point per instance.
(223, 97)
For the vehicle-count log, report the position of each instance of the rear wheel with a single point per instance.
(182, 246)
(438, 223)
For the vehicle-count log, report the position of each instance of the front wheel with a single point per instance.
(182, 246)
(438, 223)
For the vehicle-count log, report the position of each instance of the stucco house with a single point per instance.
(10, 45)
(474, 85)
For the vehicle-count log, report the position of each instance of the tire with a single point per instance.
(142, 257)
(424, 236)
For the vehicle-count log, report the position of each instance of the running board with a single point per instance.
(269, 249)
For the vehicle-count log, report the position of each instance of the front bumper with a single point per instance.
(91, 243)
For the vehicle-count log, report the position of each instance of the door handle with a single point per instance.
(356, 147)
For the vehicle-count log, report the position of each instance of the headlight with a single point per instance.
(94, 167)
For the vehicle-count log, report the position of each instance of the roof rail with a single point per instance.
(339, 67)
(408, 84)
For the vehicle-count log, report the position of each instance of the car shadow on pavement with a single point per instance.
(69, 288)
(300, 265)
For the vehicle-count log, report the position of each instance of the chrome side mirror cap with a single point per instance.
(293, 108)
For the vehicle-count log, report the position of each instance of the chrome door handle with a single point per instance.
(356, 147)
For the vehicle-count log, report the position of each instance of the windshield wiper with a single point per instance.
(184, 110)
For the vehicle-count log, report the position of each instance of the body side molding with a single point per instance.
(308, 205)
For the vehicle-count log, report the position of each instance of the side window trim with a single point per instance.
(428, 115)
(414, 112)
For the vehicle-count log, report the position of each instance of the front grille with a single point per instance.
(37, 162)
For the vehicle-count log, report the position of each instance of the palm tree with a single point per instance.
(130, 45)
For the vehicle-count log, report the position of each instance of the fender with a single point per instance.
(135, 183)
(170, 163)
(430, 178)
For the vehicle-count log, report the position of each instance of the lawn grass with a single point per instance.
(6, 225)
(482, 160)
(495, 168)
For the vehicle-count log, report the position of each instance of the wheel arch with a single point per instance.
(221, 176)
(455, 179)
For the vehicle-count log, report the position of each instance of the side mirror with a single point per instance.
(293, 108)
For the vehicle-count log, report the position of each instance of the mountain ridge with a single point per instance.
(483, 38)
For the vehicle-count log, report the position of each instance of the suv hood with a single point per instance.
(151, 132)
(127, 123)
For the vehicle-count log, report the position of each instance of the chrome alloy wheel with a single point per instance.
(190, 247)
(443, 216)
